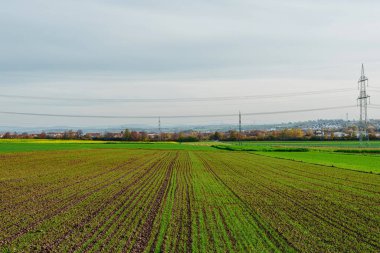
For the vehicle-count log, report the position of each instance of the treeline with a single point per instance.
(292, 134)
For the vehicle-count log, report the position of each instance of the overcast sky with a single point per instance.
(177, 49)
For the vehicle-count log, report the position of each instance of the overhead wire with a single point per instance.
(174, 116)
(184, 99)
(178, 100)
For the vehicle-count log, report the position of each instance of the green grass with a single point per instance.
(332, 154)
(259, 148)
(313, 144)
(360, 161)
(358, 151)
(7, 146)
(27, 145)
(342, 154)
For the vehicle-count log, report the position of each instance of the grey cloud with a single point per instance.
(167, 36)
(184, 47)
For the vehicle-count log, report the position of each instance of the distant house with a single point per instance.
(93, 135)
(339, 134)
(152, 136)
(117, 135)
(319, 133)
(54, 135)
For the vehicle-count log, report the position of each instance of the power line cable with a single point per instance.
(174, 116)
(188, 99)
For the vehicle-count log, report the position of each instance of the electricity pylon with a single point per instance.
(363, 101)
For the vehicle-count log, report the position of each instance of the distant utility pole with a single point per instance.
(239, 128)
(320, 125)
(159, 129)
(363, 101)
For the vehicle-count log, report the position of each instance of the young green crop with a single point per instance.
(352, 161)
(144, 200)
(16, 146)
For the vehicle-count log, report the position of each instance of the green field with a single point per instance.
(50, 145)
(169, 197)
(340, 154)
(315, 144)
(361, 162)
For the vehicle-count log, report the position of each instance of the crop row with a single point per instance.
(316, 208)
(82, 198)
(126, 201)
(183, 201)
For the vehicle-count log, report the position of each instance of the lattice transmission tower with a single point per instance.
(363, 101)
